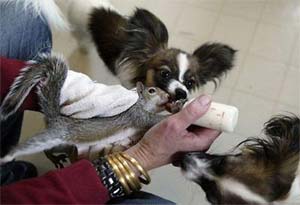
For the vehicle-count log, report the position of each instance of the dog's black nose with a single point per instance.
(199, 155)
(189, 159)
(180, 94)
(186, 161)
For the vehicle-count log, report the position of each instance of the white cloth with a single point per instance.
(83, 98)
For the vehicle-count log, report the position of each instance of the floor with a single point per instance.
(265, 80)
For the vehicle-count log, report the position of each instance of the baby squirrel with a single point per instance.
(63, 132)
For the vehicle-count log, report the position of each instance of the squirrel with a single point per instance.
(63, 132)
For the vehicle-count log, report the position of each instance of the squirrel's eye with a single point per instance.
(152, 90)
(190, 83)
(166, 74)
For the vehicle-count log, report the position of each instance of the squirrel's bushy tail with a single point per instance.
(49, 74)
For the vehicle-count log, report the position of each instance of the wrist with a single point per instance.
(143, 155)
(109, 178)
(122, 167)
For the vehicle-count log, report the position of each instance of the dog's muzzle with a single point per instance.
(180, 94)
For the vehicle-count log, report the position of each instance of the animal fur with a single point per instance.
(49, 74)
(266, 170)
(135, 48)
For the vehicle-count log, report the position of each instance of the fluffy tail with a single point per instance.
(49, 73)
(285, 130)
(47, 9)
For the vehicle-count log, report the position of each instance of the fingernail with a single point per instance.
(205, 100)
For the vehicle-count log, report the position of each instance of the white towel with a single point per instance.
(83, 98)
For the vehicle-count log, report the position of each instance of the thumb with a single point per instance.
(192, 112)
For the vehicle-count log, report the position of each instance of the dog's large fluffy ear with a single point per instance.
(215, 59)
(146, 32)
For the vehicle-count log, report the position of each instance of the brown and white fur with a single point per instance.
(135, 48)
(49, 74)
(265, 171)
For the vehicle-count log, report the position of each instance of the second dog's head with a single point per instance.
(264, 171)
(147, 58)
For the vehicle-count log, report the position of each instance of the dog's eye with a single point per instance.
(166, 74)
(190, 83)
(152, 91)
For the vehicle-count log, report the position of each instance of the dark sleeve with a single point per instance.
(9, 70)
(76, 184)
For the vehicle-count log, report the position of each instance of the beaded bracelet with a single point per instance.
(117, 174)
(108, 178)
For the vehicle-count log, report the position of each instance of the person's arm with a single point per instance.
(76, 184)
(80, 183)
(174, 135)
(64, 186)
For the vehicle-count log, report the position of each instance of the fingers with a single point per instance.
(76, 86)
(190, 113)
(202, 130)
(78, 107)
(90, 99)
(199, 139)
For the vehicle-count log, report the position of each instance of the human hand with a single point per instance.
(83, 98)
(174, 135)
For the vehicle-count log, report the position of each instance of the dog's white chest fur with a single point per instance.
(235, 187)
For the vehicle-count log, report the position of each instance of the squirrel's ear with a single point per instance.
(140, 88)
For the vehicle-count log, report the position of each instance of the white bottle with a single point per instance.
(219, 117)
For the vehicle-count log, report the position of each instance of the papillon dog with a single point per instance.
(264, 171)
(135, 48)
